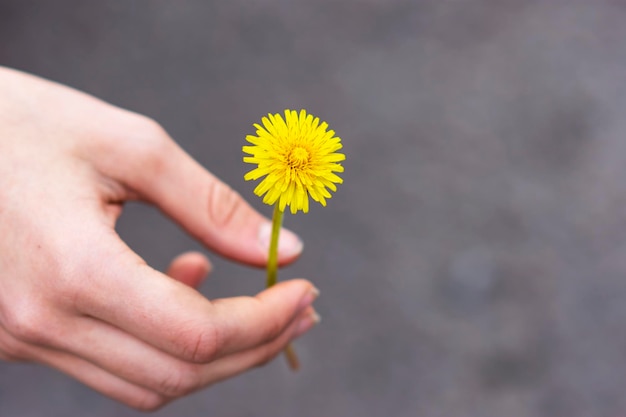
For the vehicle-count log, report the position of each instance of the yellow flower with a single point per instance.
(297, 155)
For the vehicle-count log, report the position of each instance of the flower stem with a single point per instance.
(272, 262)
(272, 275)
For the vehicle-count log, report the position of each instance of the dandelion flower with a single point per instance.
(297, 156)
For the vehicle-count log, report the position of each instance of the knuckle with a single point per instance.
(135, 144)
(5, 357)
(181, 380)
(201, 346)
(149, 144)
(153, 146)
(12, 350)
(150, 126)
(28, 324)
(223, 203)
(142, 127)
(152, 135)
(149, 401)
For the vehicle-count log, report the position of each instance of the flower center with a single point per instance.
(298, 157)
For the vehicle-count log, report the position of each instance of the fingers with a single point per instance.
(131, 362)
(190, 268)
(237, 363)
(256, 318)
(142, 365)
(180, 321)
(103, 381)
(124, 368)
(156, 169)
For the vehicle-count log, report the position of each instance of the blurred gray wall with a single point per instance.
(472, 264)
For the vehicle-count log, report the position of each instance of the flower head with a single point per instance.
(297, 156)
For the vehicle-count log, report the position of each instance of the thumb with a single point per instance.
(162, 173)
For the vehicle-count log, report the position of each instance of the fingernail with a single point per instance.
(289, 244)
(308, 298)
(307, 323)
(315, 317)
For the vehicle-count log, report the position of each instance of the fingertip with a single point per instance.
(190, 268)
(309, 319)
(289, 244)
(300, 292)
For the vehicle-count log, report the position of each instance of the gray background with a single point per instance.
(473, 262)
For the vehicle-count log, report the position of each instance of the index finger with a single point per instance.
(159, 171)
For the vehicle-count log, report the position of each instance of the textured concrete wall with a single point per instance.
(474, 261)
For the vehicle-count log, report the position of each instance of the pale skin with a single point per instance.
(74, 297)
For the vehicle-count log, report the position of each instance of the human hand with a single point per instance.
(73, 296)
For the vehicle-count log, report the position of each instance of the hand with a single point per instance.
(73, 296)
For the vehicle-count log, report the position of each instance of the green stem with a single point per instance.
(272, 275)
(272, 262)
